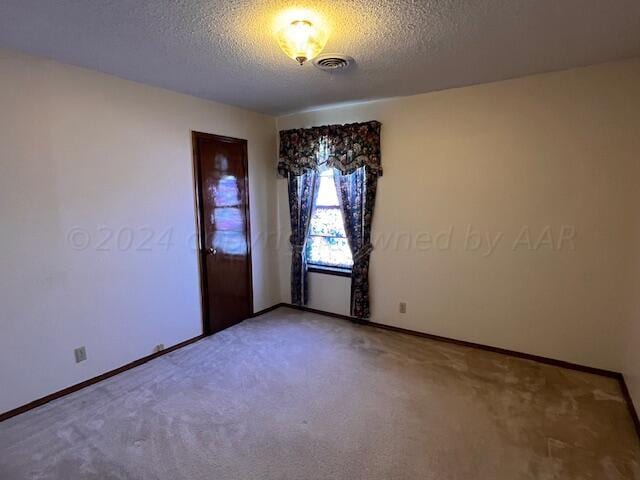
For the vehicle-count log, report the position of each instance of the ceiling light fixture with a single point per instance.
(302, 40)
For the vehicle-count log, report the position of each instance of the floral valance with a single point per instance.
(344, 147)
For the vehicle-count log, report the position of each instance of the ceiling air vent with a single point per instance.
(332, 62)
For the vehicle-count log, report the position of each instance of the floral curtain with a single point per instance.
(344, 147)
(302, 192)
(357, 195)
(353, 150)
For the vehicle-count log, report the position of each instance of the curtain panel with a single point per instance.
(357, 195)
(353, 150)
(302, 193)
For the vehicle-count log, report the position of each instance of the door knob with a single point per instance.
(212, 251)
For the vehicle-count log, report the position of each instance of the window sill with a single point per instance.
(340, 272)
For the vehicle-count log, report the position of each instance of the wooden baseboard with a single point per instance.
(104, 376)
(268, 309)
(464, 343)
(322, 312)
(91, 381)
(503, 351)
(536, 358)
(631, 405)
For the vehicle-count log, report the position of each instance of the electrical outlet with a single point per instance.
(403, 307)
(81, 354)
(159, 347)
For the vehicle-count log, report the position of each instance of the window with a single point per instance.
(327, 244)
(228, 217)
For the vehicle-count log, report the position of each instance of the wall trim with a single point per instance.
(267, 310)
(632, 408)
(91, 381)
(464, 343)
(79, 386)
(536, 358)
(503, 351)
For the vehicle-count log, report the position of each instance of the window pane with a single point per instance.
(329, 251)
(228, 218)
(327, 194)
(327, 244)
(226, 192)
(229, 242)
(327, 222)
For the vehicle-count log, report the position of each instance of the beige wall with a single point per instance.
(103, 156)
(534, 155)
(631, 368)
(631, 348)
(111, 159)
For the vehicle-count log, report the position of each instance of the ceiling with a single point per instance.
(225, 50)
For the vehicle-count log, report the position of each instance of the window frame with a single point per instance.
(337, 271)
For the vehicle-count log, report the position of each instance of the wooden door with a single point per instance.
(222, 193)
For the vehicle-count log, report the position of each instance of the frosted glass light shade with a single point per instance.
(301, 40)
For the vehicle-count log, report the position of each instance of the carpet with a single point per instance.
(299, 396)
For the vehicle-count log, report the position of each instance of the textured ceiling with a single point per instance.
(225, 50)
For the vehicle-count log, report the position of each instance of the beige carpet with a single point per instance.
(298, 396)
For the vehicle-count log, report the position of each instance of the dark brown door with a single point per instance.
(222, 192)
